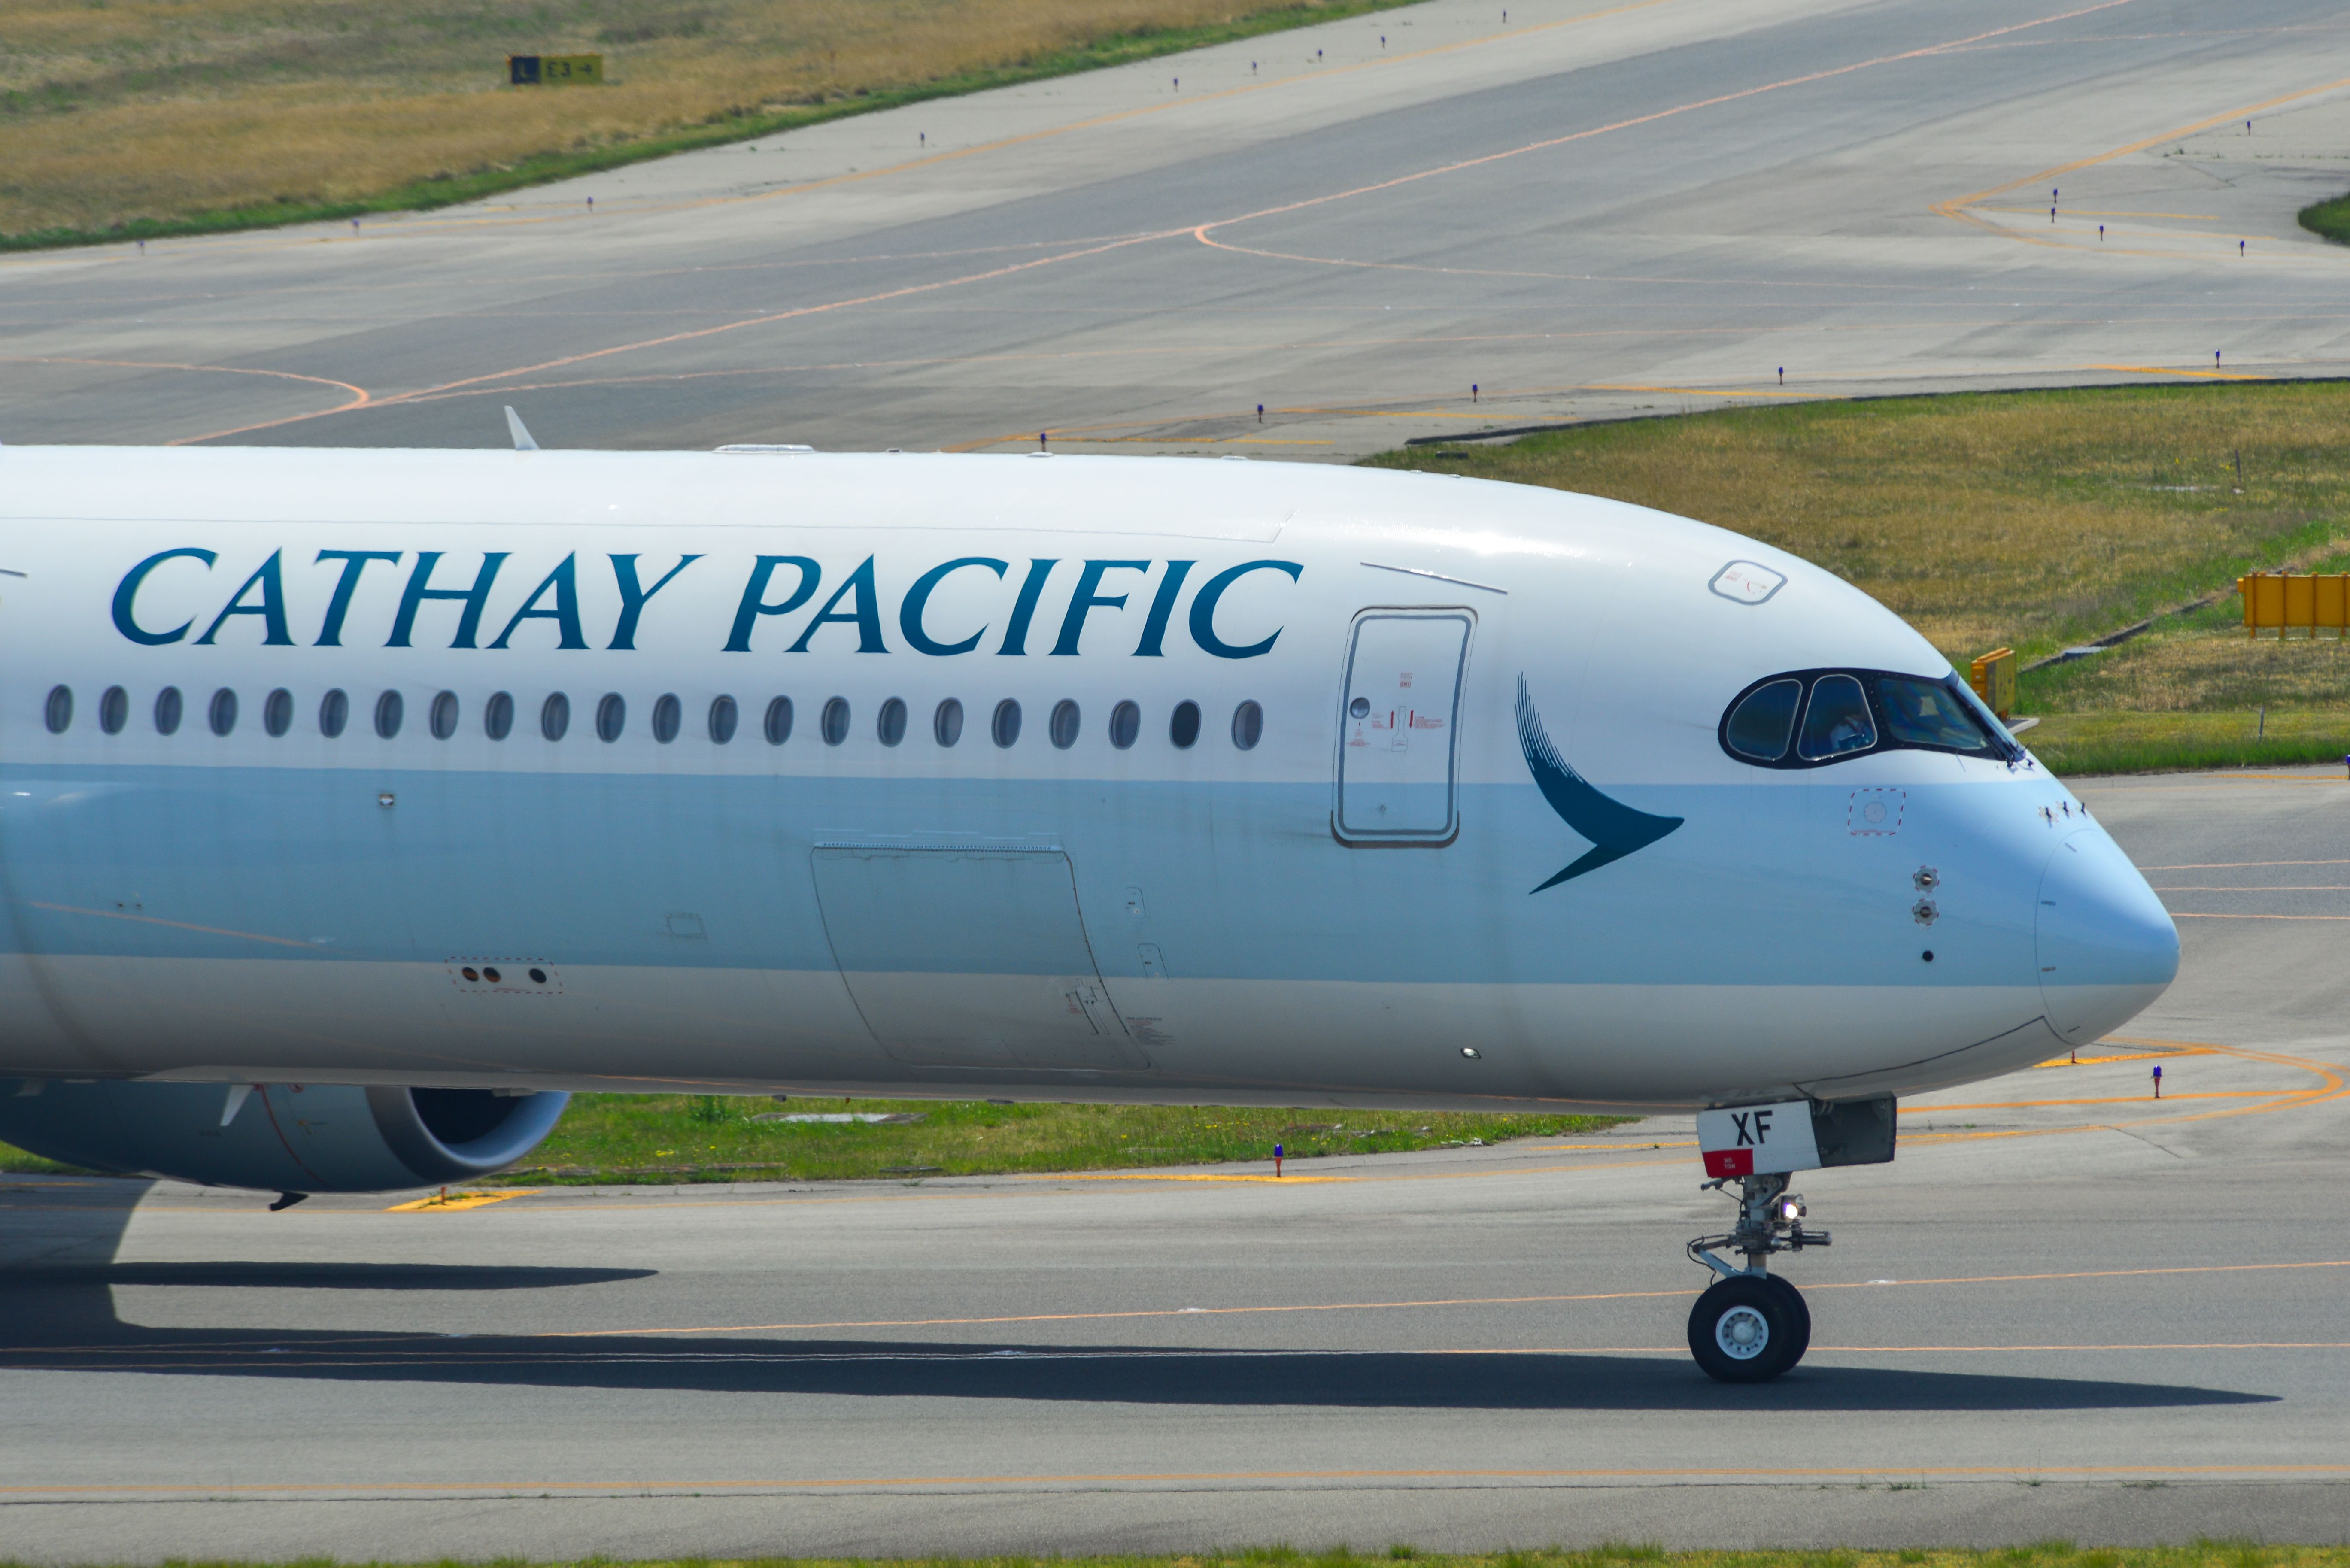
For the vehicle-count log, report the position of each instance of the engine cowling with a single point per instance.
(278, 1137)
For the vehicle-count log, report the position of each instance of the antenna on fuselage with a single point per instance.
(521, 432)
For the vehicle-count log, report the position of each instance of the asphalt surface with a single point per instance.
(1582, 211)
(2065, 1310)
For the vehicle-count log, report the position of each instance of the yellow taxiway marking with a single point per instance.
(2135, 1056)
(2106, 1100)
(2206, 915)
(2169, 370)
(1957, 207)
(452, 1202)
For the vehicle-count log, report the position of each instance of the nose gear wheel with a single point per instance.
(1750, 1325)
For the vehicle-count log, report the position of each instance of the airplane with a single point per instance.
(357, 807)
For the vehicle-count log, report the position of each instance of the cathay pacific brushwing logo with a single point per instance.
(1614, 829)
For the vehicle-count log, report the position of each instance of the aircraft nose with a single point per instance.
(2106, 946)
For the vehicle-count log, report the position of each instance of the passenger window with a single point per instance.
(723, 717)
(1063, 727)
(555, 716)
(498, 715)
(114, 710)
(444, 715)
(1248, 726)
(611, 717)
(892, 726)
(1760, 726)
(390, 709)
(778, 723)
(1184, 728)
(946, 725)
(1927, 713)
(57, 712)
(277, 712)
(334, 712)
(834, 726)
(1837, 720)
(669, 717)
(224, 712)
(1125, 725)
(1005, 728)
(168, 707)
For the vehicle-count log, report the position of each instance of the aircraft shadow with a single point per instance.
(56, 1313)
(338, 1276)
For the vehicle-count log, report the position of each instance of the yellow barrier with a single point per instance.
(554, 70)
(1994, 680)
(2283, 603)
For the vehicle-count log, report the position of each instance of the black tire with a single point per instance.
(1802, 1312)
(1742, 1331)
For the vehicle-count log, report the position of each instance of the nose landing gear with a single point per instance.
(1750, 1325)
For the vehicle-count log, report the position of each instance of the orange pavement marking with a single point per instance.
(2106, 1100)
(2168, 370)
(456, 1202)
(1201, 231)
(2205, 915)
(1956, 207)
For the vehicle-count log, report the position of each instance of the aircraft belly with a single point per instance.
(1281, 1041)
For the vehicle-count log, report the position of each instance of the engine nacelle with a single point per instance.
(278, 1137)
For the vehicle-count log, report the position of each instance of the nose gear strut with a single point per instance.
(1750, 1325)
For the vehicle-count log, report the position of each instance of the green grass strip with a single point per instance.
(423, 195)
(2331, 219)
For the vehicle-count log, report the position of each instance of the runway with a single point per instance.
(1446, 218)
(2065, 1310)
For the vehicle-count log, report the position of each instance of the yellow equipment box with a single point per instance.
(1994, 680)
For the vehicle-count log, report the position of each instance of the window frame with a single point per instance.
(2004, 748)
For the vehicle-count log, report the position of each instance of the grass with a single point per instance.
(138, 118)
(2039, 521)
(679, 1137)
(2202, 1553)
(2331, 219)
(665, 1138)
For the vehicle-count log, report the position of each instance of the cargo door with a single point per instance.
(970, 957)
(1400, 725)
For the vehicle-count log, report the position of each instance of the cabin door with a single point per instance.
(1398, 728)
(970, 957)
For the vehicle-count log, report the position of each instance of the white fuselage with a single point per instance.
(1362, 907)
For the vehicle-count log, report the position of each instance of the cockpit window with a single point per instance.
(1926, 713)
(1837, 720)
(1813, 718)
(1763, 722)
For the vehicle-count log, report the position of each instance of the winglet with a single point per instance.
(521, 434)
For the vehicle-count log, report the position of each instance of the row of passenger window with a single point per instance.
(1810, 718)
(611, 716)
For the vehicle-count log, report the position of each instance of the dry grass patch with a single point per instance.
(158, 112)
(2033, 519)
